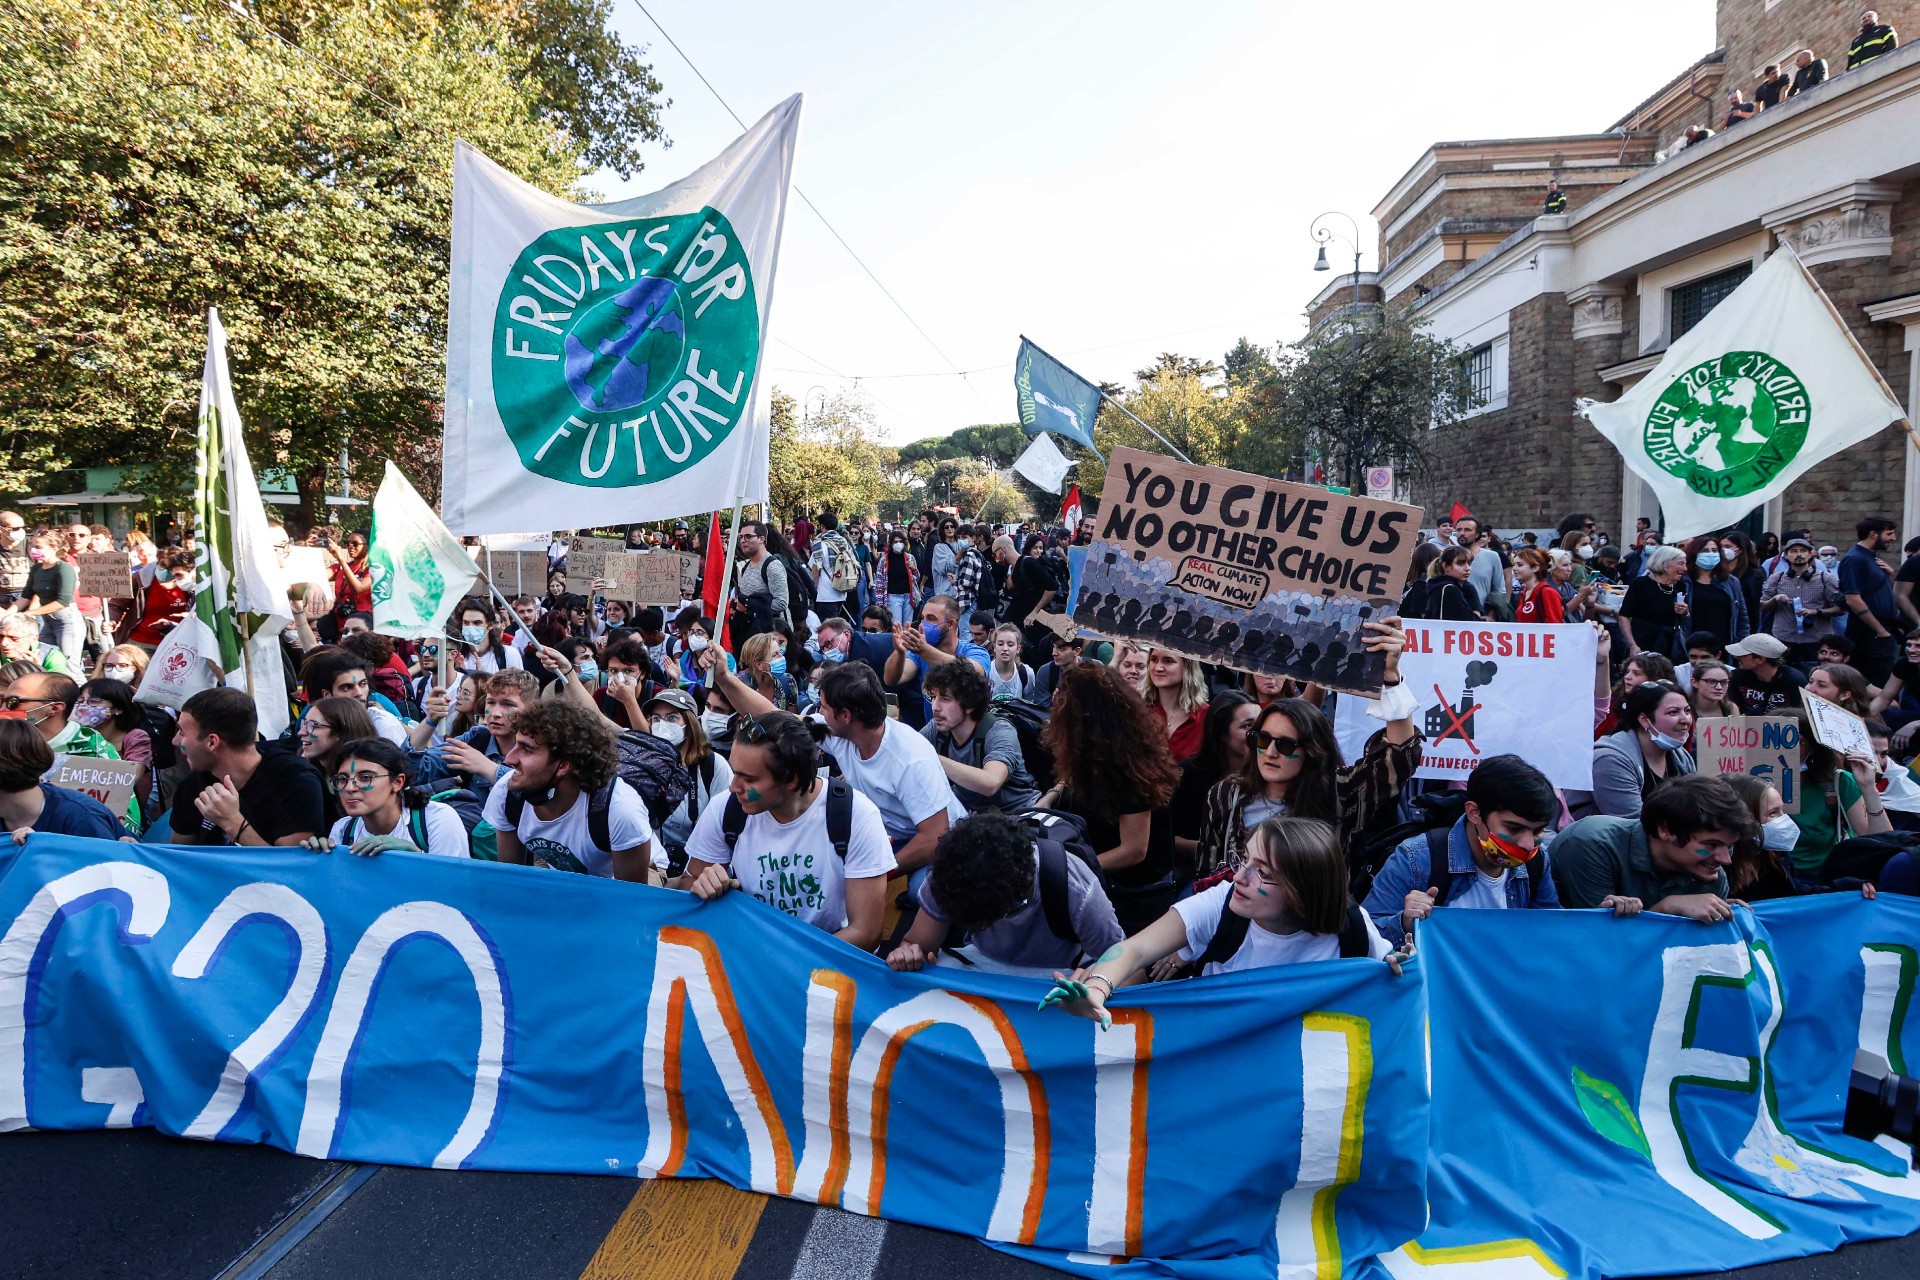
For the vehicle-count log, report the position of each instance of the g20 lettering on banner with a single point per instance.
(1766, 747)
(1238, 569)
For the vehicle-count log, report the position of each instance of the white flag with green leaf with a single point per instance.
(1770, 384)
(420, 570)
(239, 607)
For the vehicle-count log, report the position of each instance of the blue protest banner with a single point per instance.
(1651, 1096)
(428, 1011)
(1053, 397)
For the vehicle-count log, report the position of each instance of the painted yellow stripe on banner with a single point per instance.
(690, 1229)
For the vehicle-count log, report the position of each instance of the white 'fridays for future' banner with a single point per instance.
(604, 361)
(1490, 688)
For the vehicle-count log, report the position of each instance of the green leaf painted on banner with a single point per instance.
(1609, 1112)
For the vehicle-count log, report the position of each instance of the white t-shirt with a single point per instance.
(1201, 915)
(387, 725)
(446, 834)
(904, 779)
(792, 868)
(1486, 892)
(566, 843)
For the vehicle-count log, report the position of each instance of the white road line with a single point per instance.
(840, 1246)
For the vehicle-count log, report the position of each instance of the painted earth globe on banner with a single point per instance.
(626, 347)
(1731, 422)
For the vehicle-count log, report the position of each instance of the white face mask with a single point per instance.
(1780, 834)
(898, 545)
(715, 723)
(669, 731)
(1586, 553)
(118, 673)
(696, 643)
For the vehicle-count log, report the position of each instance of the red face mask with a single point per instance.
(1505, 851)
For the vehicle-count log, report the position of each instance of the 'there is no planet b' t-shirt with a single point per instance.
(792, 867)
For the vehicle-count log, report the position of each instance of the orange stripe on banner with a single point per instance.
(1037, 1102)
(840, 1067)
(689, 1229)
(883, 1103)
(742, 1048)
(1142, 1023)
(676, 1104)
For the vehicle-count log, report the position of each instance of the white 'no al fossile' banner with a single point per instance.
(604, 362)
(1747, 401)
(1490, 688)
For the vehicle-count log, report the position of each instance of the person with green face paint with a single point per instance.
(1672, 858)
(812, 848)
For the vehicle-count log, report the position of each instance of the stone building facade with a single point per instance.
(1583, 303)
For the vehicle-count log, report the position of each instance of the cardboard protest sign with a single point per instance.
(649, 577)
(1237, 569)
(689, 575)
(516, 573)
(587, 560)
(1835, 726)
(1767, 747)
(108, 781)
(1490, 688)
(104, 573)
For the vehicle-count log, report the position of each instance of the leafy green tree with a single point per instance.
(1179, 365)
(293, 169)
(833, 458)
(1366, 398)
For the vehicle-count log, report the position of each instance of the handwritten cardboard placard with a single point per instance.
(1765, 747)
(650, 577)
(587, 560)
(1836, 727)
(689, 575)
(108, 781)
(1252, 573)
(104, 573)
(516, 573)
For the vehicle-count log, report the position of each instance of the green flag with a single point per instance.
(420, 570)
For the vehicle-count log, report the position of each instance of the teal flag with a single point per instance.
(1054, 398)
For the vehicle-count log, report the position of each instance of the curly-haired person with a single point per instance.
(562, 755)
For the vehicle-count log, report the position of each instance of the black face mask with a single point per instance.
(542, 795)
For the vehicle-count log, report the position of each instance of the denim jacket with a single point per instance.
(1406, 870)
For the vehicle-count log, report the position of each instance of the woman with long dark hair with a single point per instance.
(1117, 776)
(1716, 603)
(1223, 752)
(1294, 768)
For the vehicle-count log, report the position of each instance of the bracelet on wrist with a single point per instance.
(1101, 977)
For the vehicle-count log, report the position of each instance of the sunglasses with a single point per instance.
(13, 702)
(748, 730)
(1261, 740)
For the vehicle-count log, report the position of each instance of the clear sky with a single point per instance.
(1111, 179)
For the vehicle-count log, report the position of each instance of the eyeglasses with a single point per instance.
(1711, 682)
(362, 781)
(13, 702)
(1261, 740)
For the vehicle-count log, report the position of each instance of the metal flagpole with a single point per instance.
(1150, 431)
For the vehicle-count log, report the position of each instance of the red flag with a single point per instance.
(710, 579)
(1459, 511)
(1070, 510)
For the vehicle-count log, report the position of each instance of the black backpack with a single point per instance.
(1232, 931)
(1368, 851)
(650, 765)
(800, 593)
(987, 594)
(1029, 721)
(1054, 874)
(839, 799)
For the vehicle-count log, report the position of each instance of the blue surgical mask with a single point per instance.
(1665, 742)
(932, 631)
(832, 657)
(473, 635)
(779, 665)
(589, 670)
(1707, 560)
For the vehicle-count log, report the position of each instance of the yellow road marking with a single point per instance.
(690, 1229)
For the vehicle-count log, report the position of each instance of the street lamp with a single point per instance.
(1323, 235)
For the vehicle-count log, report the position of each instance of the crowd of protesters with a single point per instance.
(891, 732)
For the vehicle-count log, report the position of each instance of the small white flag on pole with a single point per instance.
(1747, 401)
(420, 570)
(1043, 463)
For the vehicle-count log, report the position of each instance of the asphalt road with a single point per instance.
(133, 1204)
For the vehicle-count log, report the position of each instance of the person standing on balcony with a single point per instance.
(1771, 91)
(1739, 109)
(1556, 201)
(1808, 71)
(1874, 39)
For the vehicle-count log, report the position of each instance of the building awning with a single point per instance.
(86, 497)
